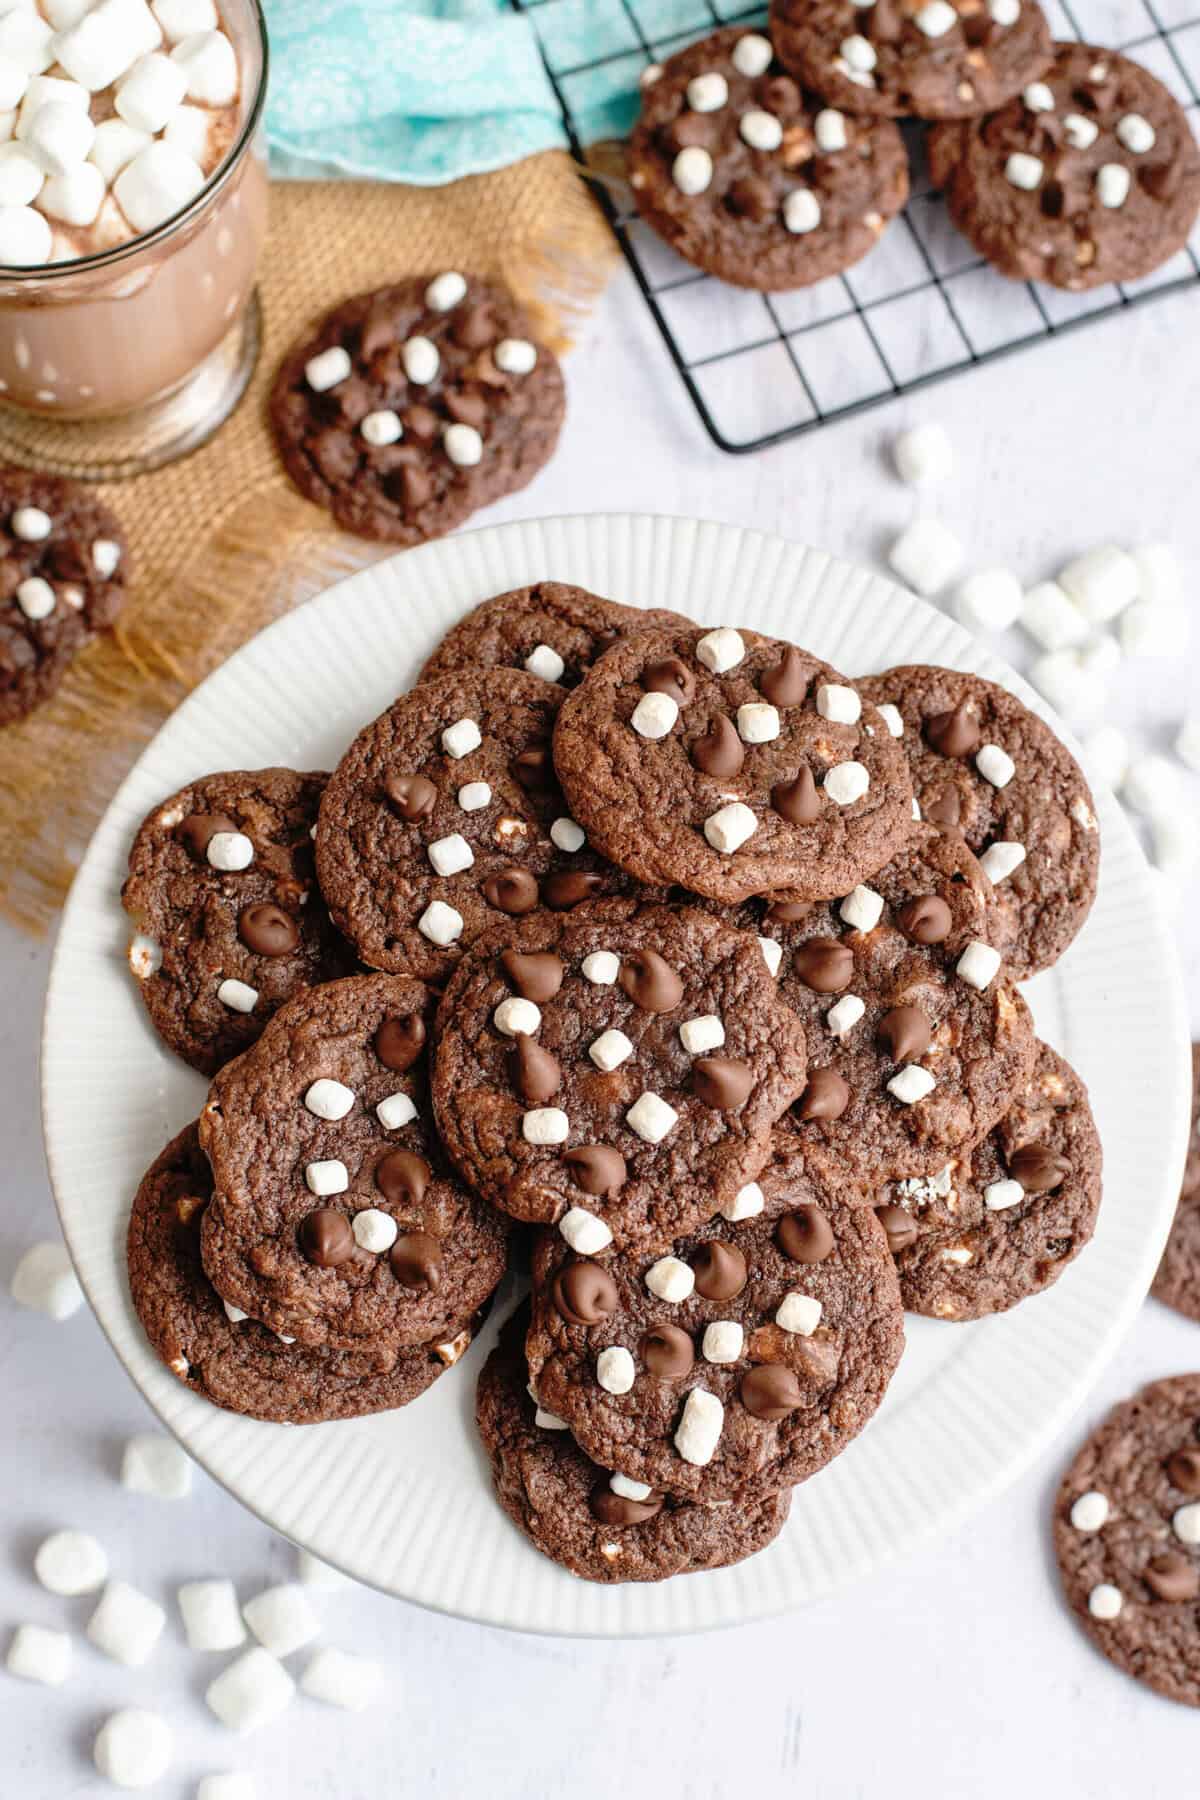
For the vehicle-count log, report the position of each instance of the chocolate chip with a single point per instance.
(786, 682)
(416, 1259)
(650, 981)
(925, 920)
(475, 327)
(326, 1238)
(689, 129)
(535, 1072)
(797, 800)
(751, 197)
(825, 1098)
(567, 887)
(267, 929)
(954, 733)
(402, 1177)
(511, 890)
(596, 1168)
(670, 676)
(422, 423)
(416, 487)
(824, 965)
(781, 96)
(719, 752)
(901, 1227)
(466, 408)
(722, 1082)
(720, 1270)
(1171, 1577)
(584, 1293)
(400, 1041)
(770, 1391)
(197, 831)
(1183, 1471)
(534, 769)
(944, 808)
(905, 1033)
(536, 975)
(619, 1509)
(805, 1236)
(412, 796)
(788, 912)
(1038, 1168)
(667, 1352)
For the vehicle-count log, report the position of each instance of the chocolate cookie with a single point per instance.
(753, 180)
(1012, 1215)
(230, 1359)
(938, 60)
(982, 762)
(336, 1219)
(1090, 176)
(731, 764)
(444, 817)
(604, 1527)
(63, 570)
(1178, 1278)
(410, 407)
(1127, 1534)
(551, 629)
(745, 1359)
(617, 1069)
(229, 920)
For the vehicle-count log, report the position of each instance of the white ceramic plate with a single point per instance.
(403, 1500)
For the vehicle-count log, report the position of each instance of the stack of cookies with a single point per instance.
(774, 162)
(692, 973)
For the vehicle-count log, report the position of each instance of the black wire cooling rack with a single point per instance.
(761, 368)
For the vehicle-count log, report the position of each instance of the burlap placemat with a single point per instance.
(223, 543)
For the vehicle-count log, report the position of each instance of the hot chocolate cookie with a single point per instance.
(550, 629)
(1178, 1278)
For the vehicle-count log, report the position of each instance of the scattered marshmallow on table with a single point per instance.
(38, 1654)
(926, 555)
(1152, 785)
(1175, 843)
(1160, 578)
(1107, 753)
(71, 1563)
(315, 1573)
(211, 1616)
(153, 1464)
(923, 455)
(1052, 618)
(229, 1786)
(45, 1281)
(989, 600)
(1154, 628)
(1187, 743)
(250, 1692)
(1060, 678)
(1101, 582)
(133, 1748)
(126, 1624)
(339, 1679)
(282, 1619)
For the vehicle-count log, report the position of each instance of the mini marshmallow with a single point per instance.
(995, 765)
(761, 130)
(692, 170)
(394, 1111)
(153, 1464)
(610, 1050)
(700, 1427)
(615, 1370)
(44, 1280)
(238, 996)
(757, 723)
(184, 18)
(459, 739)
(1061, 679)
(1052, 618)
(567, 835)
(211, 1619)
(702, 1034)
(106, 554)
(892, 718)
(1080, 132)
(671, 1280)
(1004, 12)
(654, 715)
(926, 555)
(863, 908)
(1105, 1601)
(747, 1203)
(1113, 182)
(844, 1015)
(1024, 171)
(159, 182)
(829, 131)
(126, 1624)
(327, 368)
(730, 826)
(151, 91)
(325, 1178)
(440, 923)
(474, 796)
(446, 291)
(801, 212)
(21, 176)
(858, 53)
(722, 1341)
(601, 968)
(989, 600)
(35, 598)
(1152, 786)
(545, 1125)
(998, 1196)
(230, 850)
(936, 18)
(327, 1099)
(107, 41)
(71, 1563)
(721, 650)
(841, 704)
(31, 524)
(1176, 844)
(1001, 859)
(1136, 134)
(628, 1488)
(42, 89)
(923, 455)
(1107, 753)
(651, 1118)
(133, 1748)
(548, 1421)
(846, 782)
(911, 1084)
(584, 1232)
(376, 1232)
(450, 855)
(74, 198)
(381, 429)
(463, 445)
(798, 1313)
(234, 1314)
(209, 66)
(516, 1015)
(1090, 1511)
(26, 40)
(315, 1573)
(1185, 1523)
(752, 55)
(544, 661)
(1101, 582)
(1152, 628)
(1160, 577)
(978, 965)
(1187, 743)
(1038, 97)
(26, 239)
(37, 1654)
(250, 1692)
(707, 92)
(282, 1619)
(14, 83)
(515, 356)
(339, 1679)
(772, 954)
(231, 1786)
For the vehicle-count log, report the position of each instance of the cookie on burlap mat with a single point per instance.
(411, 407)
(1178, 1278)
(63, 572)
(982, 762)
(753, 180)
(1092, 175)
(336, 1219)
(1127, 1536)
(602, 1526)
(616, 1070)
(230, 921)
(550, 629)
(745, 1358)
(1004, 1222)
(232, 1360)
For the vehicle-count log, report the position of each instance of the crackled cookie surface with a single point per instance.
(1178, 1278)
(335, 1218)
(551, 629)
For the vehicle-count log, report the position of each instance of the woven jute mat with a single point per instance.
(222, 542)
